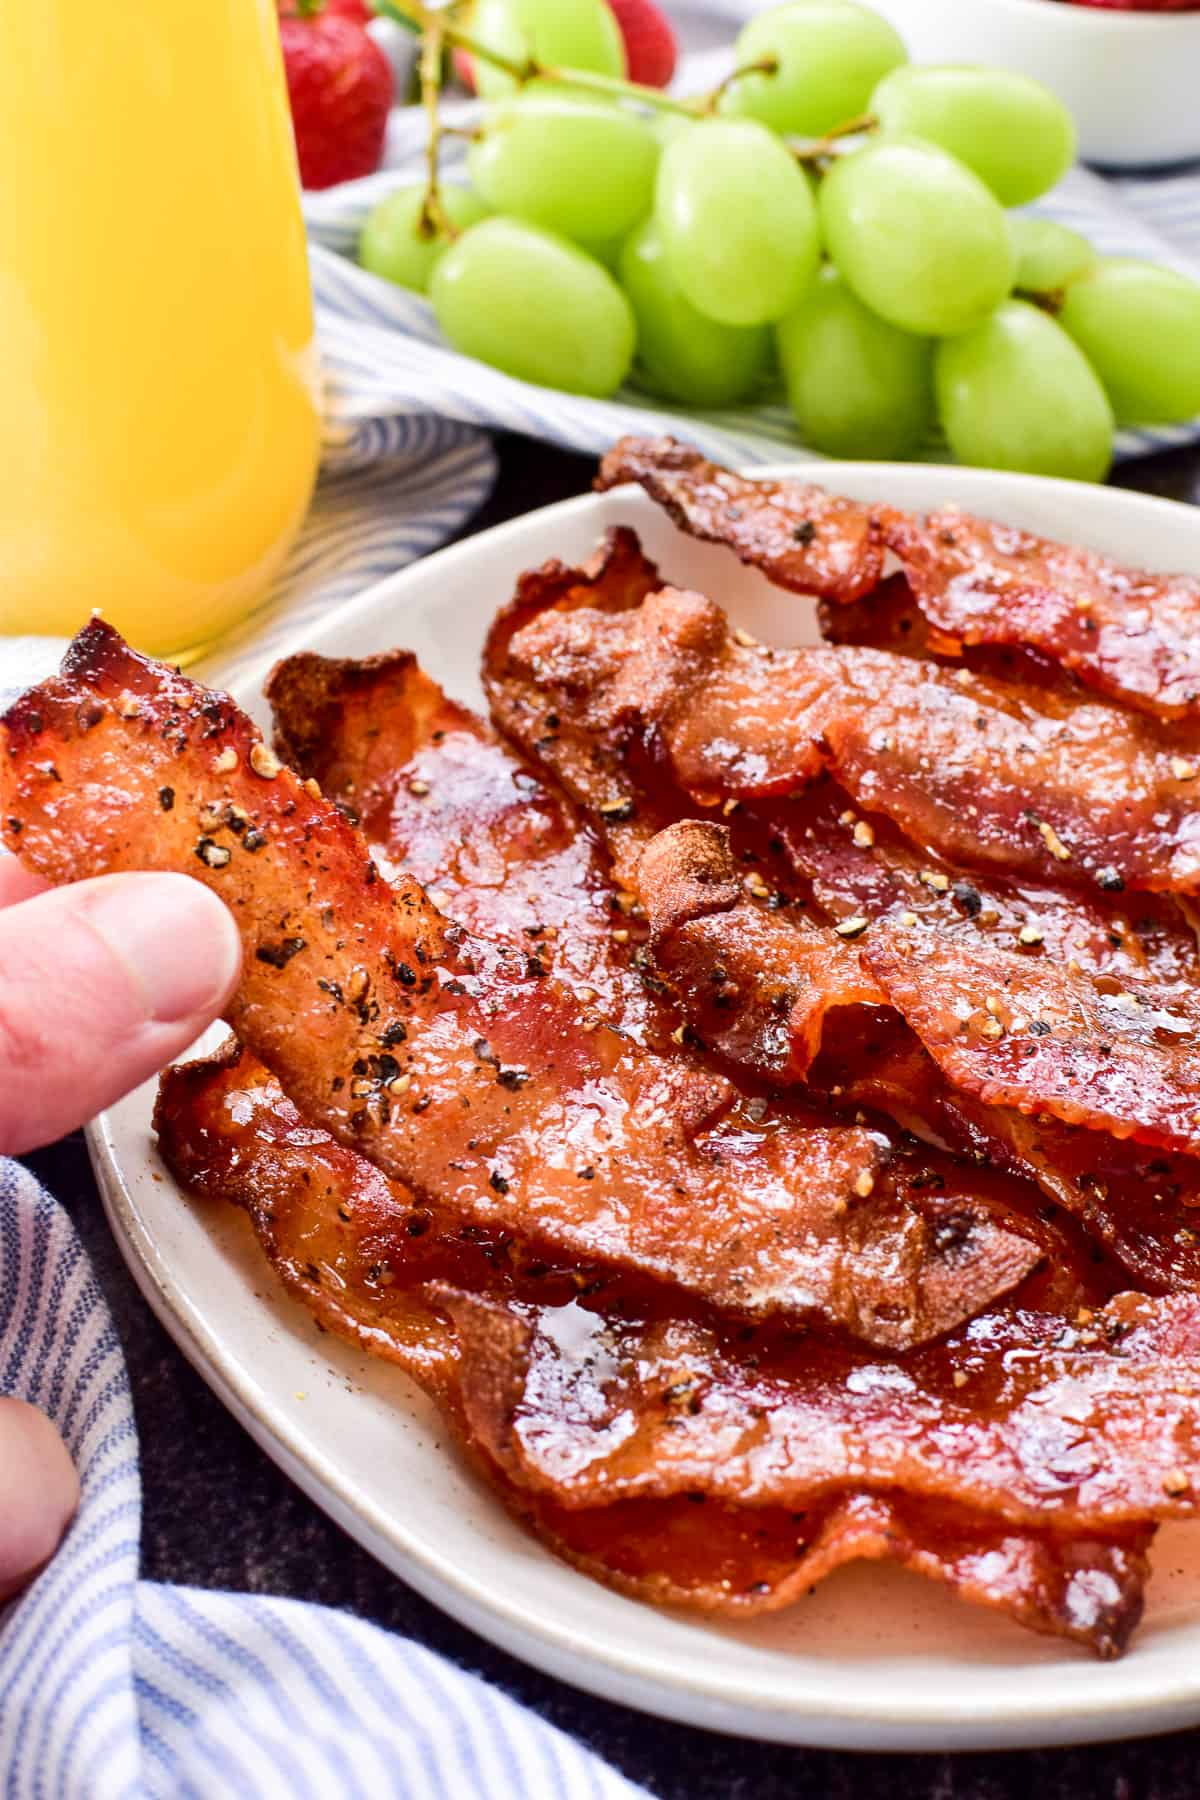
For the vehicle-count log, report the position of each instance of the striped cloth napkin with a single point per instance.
(113, 1688)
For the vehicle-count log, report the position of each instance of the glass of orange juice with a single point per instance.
(159, 415)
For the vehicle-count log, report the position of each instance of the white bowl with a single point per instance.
(1129, 78)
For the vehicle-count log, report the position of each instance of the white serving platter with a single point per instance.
(873, 1658)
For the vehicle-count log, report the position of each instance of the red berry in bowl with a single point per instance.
(1139, 5)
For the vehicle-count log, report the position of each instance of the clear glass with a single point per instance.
(159, 417)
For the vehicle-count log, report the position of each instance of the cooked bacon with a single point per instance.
(460, 1069)
(752, 987)
(439, 797)
(1089, 1426)
(758, 985)
(860, 864)
(1026, 1032)
(1128, 633)
(890, 619)
(737, 1562)
(802, 537)
(1139, 1203)
(358, 1252)
(986, 773)
(616, 580)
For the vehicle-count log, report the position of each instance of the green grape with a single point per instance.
(919, 238)
(535, 306)
(681, 354)
(561, 34)
(1014, 133)
(857, 385)
(831, 54)
(391, 245)
(1049, 256)
(1016, 393)
(584, 171)
(1139, 327)
(737, 221)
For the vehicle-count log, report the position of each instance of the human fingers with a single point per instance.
(101, 983)
(39, 1492)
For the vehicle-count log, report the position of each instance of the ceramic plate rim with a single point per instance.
(1146, 1704)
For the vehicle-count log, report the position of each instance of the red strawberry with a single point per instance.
(1141, 5)
(650, 48)
(340, 87)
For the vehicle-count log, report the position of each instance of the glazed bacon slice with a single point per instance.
(1090, 1426)
(752, 986)
(736, 1562)
(763, 986)
(441, 799)
(360, 1254)
(461, 1069)
(616, 580)
(1087, 1049)
(986, 773)
(1129, 634)
(802, 537)
(858, 864)
(890, 619)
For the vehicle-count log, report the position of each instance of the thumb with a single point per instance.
(101, 983)
(39, 1491)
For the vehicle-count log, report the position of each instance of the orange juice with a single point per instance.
(158, 406)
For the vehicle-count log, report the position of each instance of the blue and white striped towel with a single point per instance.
(113, 1688)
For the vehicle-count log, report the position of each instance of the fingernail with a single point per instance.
(177, 940)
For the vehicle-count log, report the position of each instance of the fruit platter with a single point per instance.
(833, 235)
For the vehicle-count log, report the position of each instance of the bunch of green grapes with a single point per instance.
(879, 270)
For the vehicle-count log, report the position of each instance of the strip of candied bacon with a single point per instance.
(744, 1561)
(890, 619)
(442, 799)
(759, 985)
(799, 535)
(1087, 1426)
(1128, 633)
(616, 580)
(753, 987)
(459, 1068)
(1027, 1032)
(1138, 1203)
(858, 863)
(359, 1253)
(987, 773)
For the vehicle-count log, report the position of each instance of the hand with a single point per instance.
(100, 985)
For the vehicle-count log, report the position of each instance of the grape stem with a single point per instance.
(823, 148)
(766, 65)
(432, 221)
(414, 13)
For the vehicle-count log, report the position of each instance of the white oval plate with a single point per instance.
(874, 1658)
